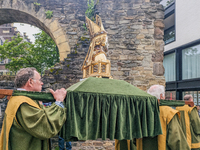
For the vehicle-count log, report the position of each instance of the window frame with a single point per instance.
(170, 10)
(180, 85)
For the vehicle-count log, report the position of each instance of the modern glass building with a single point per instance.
(182, 49)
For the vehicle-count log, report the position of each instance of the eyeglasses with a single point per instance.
(38, 79)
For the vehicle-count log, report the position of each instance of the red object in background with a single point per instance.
(170, 96)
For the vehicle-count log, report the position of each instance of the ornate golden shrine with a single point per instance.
(96, 63)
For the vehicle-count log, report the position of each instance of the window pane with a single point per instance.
(169, 35)
(191, 62)
(198, 97)
(195, 98)
(170, 95)
(169, 65)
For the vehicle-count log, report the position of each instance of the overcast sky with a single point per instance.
(30, 30)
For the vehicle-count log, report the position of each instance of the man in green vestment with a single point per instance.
(28, 125)
(172, 138)
(190, 123)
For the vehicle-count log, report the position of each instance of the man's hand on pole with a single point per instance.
(59, 94)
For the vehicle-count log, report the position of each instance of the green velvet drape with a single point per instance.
(105, 108)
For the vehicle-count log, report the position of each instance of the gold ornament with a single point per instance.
(96, 63)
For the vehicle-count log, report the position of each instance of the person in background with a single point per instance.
(173, 137)
(190, 123)
(28, 125)
(188, 98)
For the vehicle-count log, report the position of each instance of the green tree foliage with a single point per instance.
(90, 10)
(41, 55)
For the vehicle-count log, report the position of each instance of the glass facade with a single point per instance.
(169, 21)
(170, 67)
(183, 73)
(181, 62)
(170, 95)
(169, 35)
(191, 62)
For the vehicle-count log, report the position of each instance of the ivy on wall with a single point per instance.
(49, 14)
(90, 12)
(37, 4)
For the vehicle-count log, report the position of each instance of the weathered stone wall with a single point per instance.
(135, 37)
(3, 104)
(8, 83)
(135, 41)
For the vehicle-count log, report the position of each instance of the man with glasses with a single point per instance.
(28, 125)
(190, 123)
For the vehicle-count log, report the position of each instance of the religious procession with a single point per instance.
(87, 104)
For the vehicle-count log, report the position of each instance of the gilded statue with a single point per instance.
(96, 63)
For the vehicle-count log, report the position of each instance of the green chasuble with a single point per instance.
(172, 138)
(190, 123)
(31, 124)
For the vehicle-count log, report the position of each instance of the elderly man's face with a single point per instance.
(37, 83)
(191, 99)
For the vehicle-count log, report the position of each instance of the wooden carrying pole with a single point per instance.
(190, 103)
(8, 93)
(5, 92)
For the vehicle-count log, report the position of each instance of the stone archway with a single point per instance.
(18, 11)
